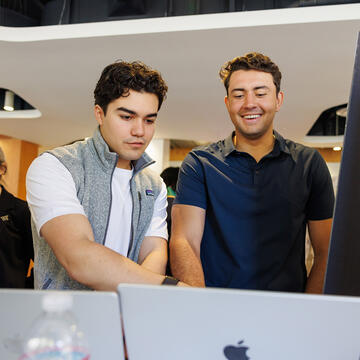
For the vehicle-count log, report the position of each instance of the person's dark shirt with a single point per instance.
(170, 200)
(256, 213)
(16, 246)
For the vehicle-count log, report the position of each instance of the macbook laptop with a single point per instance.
(97, 314)
(164, 322)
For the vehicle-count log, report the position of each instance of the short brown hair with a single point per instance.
(118, 78)
(250, 61)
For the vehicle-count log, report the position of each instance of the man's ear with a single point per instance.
(226, 101)
(3, 168)
(279, 100)
(99, 114)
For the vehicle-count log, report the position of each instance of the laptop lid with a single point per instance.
(164, 322)
(97, 314)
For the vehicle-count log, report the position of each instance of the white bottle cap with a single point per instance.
(57, 301)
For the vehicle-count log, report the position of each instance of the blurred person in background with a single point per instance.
(16, 246)
(170, 177)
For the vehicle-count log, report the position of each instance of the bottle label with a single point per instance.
(57, 354)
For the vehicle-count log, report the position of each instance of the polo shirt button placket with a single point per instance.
(256, 176)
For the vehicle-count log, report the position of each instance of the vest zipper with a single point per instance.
(132, 224)
(108, 217)
(132, 212)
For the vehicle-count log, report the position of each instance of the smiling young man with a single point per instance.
(243, 203)
(99, 213)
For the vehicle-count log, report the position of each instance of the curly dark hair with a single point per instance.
(170, 176)
(250, 61)
(118, 78)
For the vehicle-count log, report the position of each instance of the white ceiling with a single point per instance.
(55, 68)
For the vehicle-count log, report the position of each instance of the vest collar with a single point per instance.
(109, 158)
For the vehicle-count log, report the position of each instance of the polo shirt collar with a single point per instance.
(229, 146)
(282, 143)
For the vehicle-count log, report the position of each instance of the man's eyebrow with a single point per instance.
(237, 89)
(126, 110)
(261, 87)
(134, 112)
(255, 88)
(151, 115)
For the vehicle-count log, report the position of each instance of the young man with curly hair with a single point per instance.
(243, 203)
(99, 212)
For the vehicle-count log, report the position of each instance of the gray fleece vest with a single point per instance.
(91, 165)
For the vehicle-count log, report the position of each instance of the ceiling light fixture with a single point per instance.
(337, 148)
(342, 112)
(9, 101)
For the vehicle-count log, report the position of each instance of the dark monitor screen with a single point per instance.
(343, 269)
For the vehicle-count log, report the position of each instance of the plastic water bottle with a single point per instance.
(55, 334)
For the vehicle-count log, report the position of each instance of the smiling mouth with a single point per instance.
(251, 117)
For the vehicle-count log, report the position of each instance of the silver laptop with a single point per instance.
(164, 322)
(97, 314)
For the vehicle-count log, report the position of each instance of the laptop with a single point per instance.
(97, 314)
(164, 322)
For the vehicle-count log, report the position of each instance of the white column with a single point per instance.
(159, 150)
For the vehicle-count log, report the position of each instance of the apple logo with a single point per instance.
(236, 352)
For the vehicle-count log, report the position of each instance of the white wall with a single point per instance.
(334, 168)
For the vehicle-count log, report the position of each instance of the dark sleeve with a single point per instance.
(320, 205)
(24, 221)
(190, 188)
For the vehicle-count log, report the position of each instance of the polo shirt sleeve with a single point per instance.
(190, 188)
(320, 205)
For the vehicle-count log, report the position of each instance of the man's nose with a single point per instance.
(137, 128)
(249, 100)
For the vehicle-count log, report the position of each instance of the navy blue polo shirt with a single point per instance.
(256, 213)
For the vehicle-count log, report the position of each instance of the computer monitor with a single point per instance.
(343, 269)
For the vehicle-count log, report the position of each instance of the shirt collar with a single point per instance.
(6, 199)
(282, 143)
(229, 146)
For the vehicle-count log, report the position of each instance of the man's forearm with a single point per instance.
(315, 281)
(155, 261)
(185, 264)
(103, 269)
(319, 231)
(89, 263)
